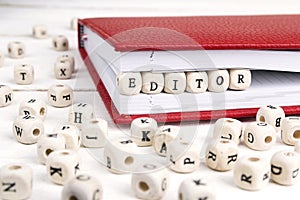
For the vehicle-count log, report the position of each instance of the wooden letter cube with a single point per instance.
(74, 24)
(196, 189)
(163, 136)
(60, 96)
(218, 80)
(290, 131)
(23, 74)
(15, 182)
(82, 187)
(6, 95)
(94, 133)
(16, 49)
(175, 83)
(39, 31)
(240, 79)
(120, 156)
(153, 83)
(228, 128)
(129, 83)
(221, 155)
(60, 43)
(259, 136)
(49, 143)
(62, 166)
(71, 134)
(67, 58)
(36, 107)
(142, 130)
(196, 82)
(272, 115)
(28, 128)
(1, 59)
(150, 185)
(80, 113)
(285, 167)
(183, 157)
(63, 70)
(252, 173)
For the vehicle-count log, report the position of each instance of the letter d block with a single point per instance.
(285, 167)
(129, 83)
(251, 173)
(153, 83)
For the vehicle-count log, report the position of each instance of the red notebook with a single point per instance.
(269, 32)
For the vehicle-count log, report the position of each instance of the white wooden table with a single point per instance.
(17, 19)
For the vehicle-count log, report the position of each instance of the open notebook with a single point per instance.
(275, 78)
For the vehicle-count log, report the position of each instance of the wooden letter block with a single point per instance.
(67, 58)
(16, 49)
(196, 82)
(272, 115)
(221, 155)
(73, 24)
(218, 80)
(62, 166)
(48, 143)
(63, 70)
(36, 107)
(290, 131)
(240, 79)
(183, 157)
(259, 136)
(60, 96)
(24, 74)
(196, 189)
(129, 83)
(142, 130)
(153, 83)
(28, 128)
(150, 185)
(163, 136)
(6, 95)
(81, 113)
(60, 43)
(175, 83)
(285, 167)
(228, 128)
(94, 133)
(39, 31)
(252, 173)
(71, 134)
(16, 182)
(83, 187)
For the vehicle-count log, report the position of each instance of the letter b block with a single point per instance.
(272, 115)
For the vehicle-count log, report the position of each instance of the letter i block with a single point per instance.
(80, 113)
(142, 130)
(129, 83)
(15, 181)
(153, 83)
(175, 83)
(251, 173)
(6, 95)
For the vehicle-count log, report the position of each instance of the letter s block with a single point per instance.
(272, 115)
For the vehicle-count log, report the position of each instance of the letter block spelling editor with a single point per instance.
(153, 83)
(251, 173)
(82, 187)
(218, 80)
(16, 182)
(175, 83)
(129, 83)
(240, 79)
(6, 95)
(150, 182)
(196, 82)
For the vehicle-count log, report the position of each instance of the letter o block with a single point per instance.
(285, 167)
(153, 83)
(218, 80)
(129, 83)
(221, 155)
(251, 173)
(272, 115)
(290, 131)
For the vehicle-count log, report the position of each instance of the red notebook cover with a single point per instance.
(281, 32)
